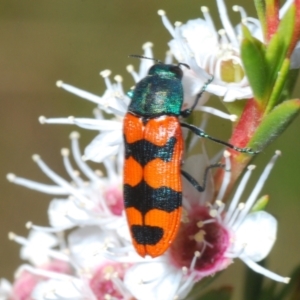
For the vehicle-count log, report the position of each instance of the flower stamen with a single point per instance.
(227, 176)
(166, 22)
(238, 193)
(259, 185)
(208, 18)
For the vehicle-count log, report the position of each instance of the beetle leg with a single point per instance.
(201, 133)
(185, 113)
(193, 181)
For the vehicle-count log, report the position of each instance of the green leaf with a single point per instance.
(223, 293)
(279, 84)
(253, 57)
(261, 203)
(287, 26)
(274, 123)
(261, 12)
(279, 44)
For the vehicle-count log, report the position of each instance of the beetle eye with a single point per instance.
(177, 71)
(183, 64)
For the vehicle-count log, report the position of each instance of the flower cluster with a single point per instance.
(87, 253)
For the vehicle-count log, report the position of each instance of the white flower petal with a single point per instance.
(200, 29)
(60, 212)
(103, 145)
(256, 235)
(88, 244)
(55, 290)
(153, 280)
(234, 93)
(5, 289)
(36, 249)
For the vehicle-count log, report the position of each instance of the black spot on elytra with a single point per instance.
(144, 151)
(147, 235)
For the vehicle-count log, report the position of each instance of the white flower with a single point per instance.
(100, 252)
(5, 289)
(206, 50)
(220, 234)
(55, 289)
(96, 201)
(90, 264)
(36, 246)
(96, 256)
(154, 279)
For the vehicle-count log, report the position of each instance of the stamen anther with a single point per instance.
(11, 177)
(28, 225)
(59, 83)
(65, 152)
(233, 118)
(36, 157)
(213, 213)
(130, 68)
(147, 45)
(251, 167)
(197, 254)
(184, 270)
(42, 119)
(199, 236)
(74, 135)
(278, 152)
(161, 12)
(118, 78)
(241, 206)
(11, 236)
(204, 9)
(200, 224)
(226, 154)
(105, 73)
(221, 32)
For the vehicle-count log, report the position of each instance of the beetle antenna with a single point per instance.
(141, 56)
(183, 64)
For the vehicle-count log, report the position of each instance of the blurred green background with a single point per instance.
(72, 40)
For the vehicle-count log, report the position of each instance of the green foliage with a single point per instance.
(261, 12)
(274, 123)
(278, 85)
(267, 65)
(261, 203)
(253, 56)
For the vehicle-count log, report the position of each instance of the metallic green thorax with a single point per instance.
(160, 92)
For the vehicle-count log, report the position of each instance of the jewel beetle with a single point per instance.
(153, 157)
